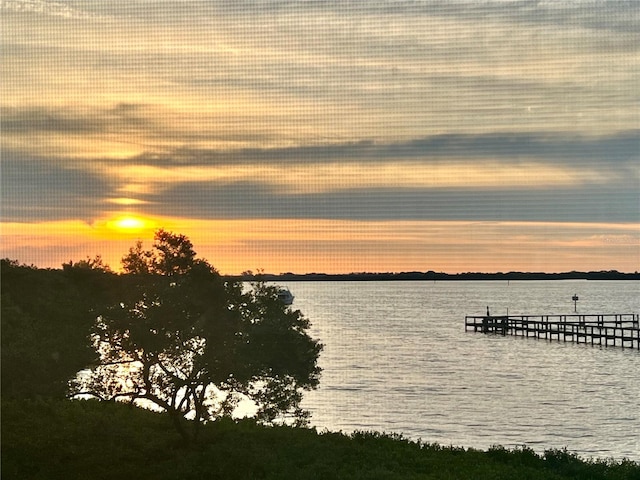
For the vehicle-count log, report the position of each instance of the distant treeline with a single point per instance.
(435, 276)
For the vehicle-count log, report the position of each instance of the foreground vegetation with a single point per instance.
(180, 329)
(168, 330)
(99, 440)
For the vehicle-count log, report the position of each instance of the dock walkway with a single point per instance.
(618, 330)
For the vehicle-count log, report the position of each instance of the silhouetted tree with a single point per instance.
(96, 264)
(192, 344)
(47, 316)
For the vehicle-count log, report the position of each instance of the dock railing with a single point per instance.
(621, 330)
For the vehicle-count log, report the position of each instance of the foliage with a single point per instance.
(96, 264)
(84, 439)
(193, 345)
(46, 320)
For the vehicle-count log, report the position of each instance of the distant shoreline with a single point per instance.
(433, 276)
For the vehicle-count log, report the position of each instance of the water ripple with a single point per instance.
(397, 358)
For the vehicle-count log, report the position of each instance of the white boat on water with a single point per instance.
(285, 296)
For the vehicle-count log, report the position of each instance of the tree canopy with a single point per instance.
(193, 344)
(46, 319)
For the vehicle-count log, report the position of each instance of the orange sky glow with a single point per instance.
(306, 246)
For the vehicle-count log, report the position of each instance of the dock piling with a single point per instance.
(618, 330)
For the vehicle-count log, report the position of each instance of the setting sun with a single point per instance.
(129, 224)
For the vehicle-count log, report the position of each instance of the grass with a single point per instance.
(91, 440)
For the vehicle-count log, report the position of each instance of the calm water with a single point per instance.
(397, 359)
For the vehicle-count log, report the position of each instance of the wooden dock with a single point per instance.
(618, 330)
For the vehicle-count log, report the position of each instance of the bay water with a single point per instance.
(397, 359)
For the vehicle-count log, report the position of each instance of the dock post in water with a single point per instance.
(618, 330)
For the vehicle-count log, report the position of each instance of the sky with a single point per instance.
(324, 136)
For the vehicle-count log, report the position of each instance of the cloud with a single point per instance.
(257, 200)
(340, 86)
(619, 15)
(152, 128)
(493, 177)
(158, 128)
(35, 189)
(341, 69)
(620, 148)
(33, 120)
(47, 8)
